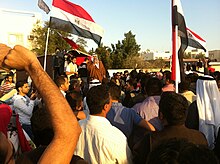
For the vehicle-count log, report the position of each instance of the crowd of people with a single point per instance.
(84, 116)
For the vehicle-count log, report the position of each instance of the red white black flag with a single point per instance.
(194, 40)
(181, 40)
(72, 18)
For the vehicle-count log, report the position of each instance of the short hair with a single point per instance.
(8, 75)
(132, 82)
(60, 80)
(41, 126)
(74, 99)
(153, 87)
(181, 151)
(20, 84)
(86, 59)
(114, 91)
(74, 83)
(72, 57)
(184, 85)
(96, 99)
(173, 107)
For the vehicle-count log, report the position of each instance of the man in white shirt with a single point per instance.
(100, 142)
(63, 84)
(72, 68)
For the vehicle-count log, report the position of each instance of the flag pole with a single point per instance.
(45, 53)
(175, 61)
(177, 76)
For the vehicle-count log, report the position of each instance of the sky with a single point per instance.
(148, 20)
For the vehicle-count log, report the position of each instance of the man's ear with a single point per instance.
(61, 86)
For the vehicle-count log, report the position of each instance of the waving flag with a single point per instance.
(42, 5)
(69, 41)
(195, 40)
(179, 33)
(72, 18)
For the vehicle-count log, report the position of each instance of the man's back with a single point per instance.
(100, 142)
(179, 131)
(148, 110)
(123, 118)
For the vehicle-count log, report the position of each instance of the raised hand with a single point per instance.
(4, 50)
(20, 58)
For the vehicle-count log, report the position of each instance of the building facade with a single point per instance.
(16, 27)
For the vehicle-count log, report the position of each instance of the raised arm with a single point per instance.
(65, 125)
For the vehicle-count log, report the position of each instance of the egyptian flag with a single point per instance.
(195, 40)
(72, 18)
(180, 41)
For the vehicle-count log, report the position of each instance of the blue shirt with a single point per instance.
(123, 118)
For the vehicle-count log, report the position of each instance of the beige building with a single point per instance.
(16, 27)
(153, 55)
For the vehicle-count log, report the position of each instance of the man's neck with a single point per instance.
(22, 94)
(100, 115)
(116, 101)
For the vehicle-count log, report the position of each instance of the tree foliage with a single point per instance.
(127, 48)
(39, 34)
(104, 55)
(82, 44)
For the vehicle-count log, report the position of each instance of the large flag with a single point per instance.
(180, 41)
(42, 5)
(72, 18)
(194, 40)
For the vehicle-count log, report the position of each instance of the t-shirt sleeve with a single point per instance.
(137, 118)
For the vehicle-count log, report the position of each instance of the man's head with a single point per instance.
(153, 87)
(172, 108)
(41, 126)
(181, 151)
(73, 59)
(9, 78)
(74, 99)
(114, 91)
(62, 82)
(131, 84)
(22, 87)
(98, 100)
(86, 60)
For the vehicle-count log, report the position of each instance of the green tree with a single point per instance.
(124, 49)
(82, 44)
(39, 34)
(200, 55)
(104, 55)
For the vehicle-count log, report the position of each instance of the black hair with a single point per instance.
(180, 151)
(153, 87)
(184, 85)
(173, 107)
(60, 80)
(132, 82)
(114, 91)
(74, 99)
(96, 99)
(20, 84)
(41, 126)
